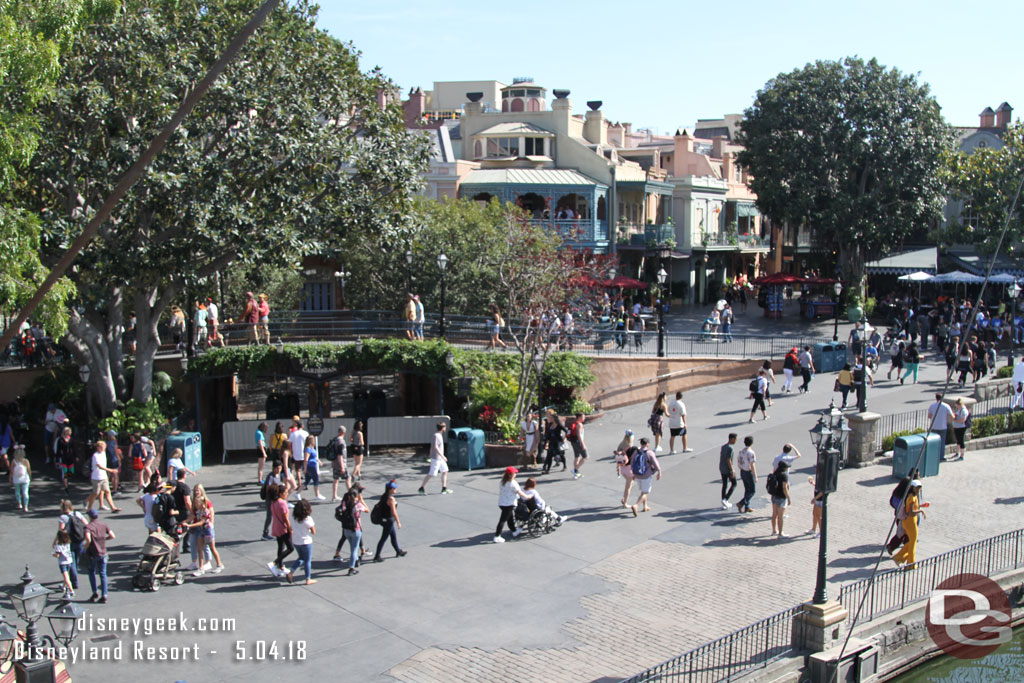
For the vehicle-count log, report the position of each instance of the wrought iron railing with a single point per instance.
(912, 420)
(896, 588)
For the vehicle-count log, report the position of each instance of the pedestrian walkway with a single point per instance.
(604, 596)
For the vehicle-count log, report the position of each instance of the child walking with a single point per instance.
(62, 551)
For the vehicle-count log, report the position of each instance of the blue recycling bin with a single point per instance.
(823, 355)
(906, 449)
(191, 445)
(838, 355)
(466, 448)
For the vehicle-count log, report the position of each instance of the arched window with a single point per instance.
(533, 204)
(534, 104)
(517, 105)
(601, 209)
(478, 150)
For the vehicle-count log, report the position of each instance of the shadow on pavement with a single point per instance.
(1009, 501)
(882, 480)
(595, 514)
(479, 539)
(860, 549)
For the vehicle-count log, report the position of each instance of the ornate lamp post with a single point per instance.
(838, 288)
(662, 276)
(1014, 292)
(829, 439)
(442, 263)
(408, 270)
(342, 275)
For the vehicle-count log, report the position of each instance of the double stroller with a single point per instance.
(536, 521)
(160, 555)
(709, 330)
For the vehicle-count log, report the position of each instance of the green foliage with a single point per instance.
(850, 148)
(869, 306)
(567, 370)
(508, 431)
(1005, 372)
(578, 405)
(60, 385)
(890, 441)
(134, 417)
(497, 390)
(988, 426)
(987, 178)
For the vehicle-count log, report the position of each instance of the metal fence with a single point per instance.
(895, 589)
(730, 656)
(918, 419)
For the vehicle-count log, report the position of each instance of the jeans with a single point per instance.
(284, 548)
(305, 560)
(98, 565)
(728, 484)
(844, 389)
(267, 520)
(354, 536)
(805, 373)
(21, 494)
(76, 557)
(748, 487)
(194, 535)
(312, 475)
(387, 531)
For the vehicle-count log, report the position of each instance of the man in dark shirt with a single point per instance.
(182, 495)
(96, 535)
(728, 473)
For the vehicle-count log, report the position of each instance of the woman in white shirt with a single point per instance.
(960, 417)
(21, 476)
(303, 529)
(508, 491)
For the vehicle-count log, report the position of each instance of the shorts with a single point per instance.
(100, 485)
(437, 466)
(645, 484)
(208, 531)
(780, 501)
(677, 431)
(65, 470)
(357, 451)
(578, 451)
(338, 470)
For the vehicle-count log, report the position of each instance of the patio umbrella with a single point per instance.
(918, 277)
(627, 283)
(1003, 279)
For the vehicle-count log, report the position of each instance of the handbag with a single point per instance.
(836, 387)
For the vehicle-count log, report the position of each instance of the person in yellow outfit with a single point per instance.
(912, 507)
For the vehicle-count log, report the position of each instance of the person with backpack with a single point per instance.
(758, 388)
(645, 469)
(337, 454)
(579, 448)
(777, 486)
(73, 523)
(438, 461)
(623, 456)
(349, 513)
(145, 501)
(385, 513)
(747, 461)
(789, 366)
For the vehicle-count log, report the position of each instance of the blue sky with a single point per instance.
(663, 64)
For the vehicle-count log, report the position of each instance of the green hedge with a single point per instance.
(997, 424)
(890, 441)
(1005, 372)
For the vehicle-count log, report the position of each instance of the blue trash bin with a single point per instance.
(824, 358)
(906, 450)
(465, 448)
(191, 445)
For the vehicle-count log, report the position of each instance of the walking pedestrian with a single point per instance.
(844, 382)
(939, 415)
(297, 441)
(64, 453)
(747, 460)
(53, 421)
(303, 529)
(438, 461)
(145, 501)
(389, 521)
(861, 377)
(778, 488)
(961, 420)
(97, 534)
(528, 433)
(657, 420)
(358, 444)
(73, 523)
(645, 470)
(896, 500)
(508, 491)
(677, 423)
(337, 453)
(965, 363)
(20, 476)
(725, 468)
(272, 484)
(200, 318)
(251, 317)
(62, 551)
(280, 528)
(261, 449)
(623, 455)
(350, 515)
(789, 365)
(579, 446)
(263, 311)
(896, 358)
(555, 438)
(213, 318)
(758, 386)
(911, 508)
(807, 370)
(911, 361)
(409, 316)
(421, 317)
(113, 462)
(100, 481)
(202, 526)
(311, 466)
(495, 324)
(769, 374)
(816, 508)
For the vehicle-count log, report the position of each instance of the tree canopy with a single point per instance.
(987, 180)
(289, 151)
(850, 148)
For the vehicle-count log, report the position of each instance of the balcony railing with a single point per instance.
(582, 230)
(659, 233)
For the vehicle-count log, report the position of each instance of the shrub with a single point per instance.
(134, 417)
(1005, 372)
(565, 374)
(890, 441)
(988, 426)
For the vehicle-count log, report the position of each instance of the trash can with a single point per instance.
(823, 357)
(839, 355)
(191, 445)
(466, 448)
(907, 448)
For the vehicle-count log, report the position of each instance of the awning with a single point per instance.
(904, 263)
(790, 279)
(919, 276)
(746, 209)
(959, 277)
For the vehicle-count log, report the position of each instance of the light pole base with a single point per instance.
(818, 627)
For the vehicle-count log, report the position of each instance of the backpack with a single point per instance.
(574, 432)
(75, 528)
(753, 386)
(773, 486)
(343, 513)
(138, 460)
(640, 464)
(162, 506)
(377, 513)
(263, 488)
(331, 454)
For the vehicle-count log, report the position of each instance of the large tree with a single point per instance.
(289, 150)
(853, 150)
(987, 180)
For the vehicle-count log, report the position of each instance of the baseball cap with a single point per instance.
(629, 432)
(94, 513)
(392, 484)
(511, 470)
(915, 482)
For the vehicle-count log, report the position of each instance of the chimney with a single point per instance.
(563, 105)
(1003, 115)
(728, 161)
(594, 129)
(987, 118)
(681, 150)
(474, 105)
(414, 108)
(718, 146)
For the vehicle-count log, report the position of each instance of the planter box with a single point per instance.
(502, 455)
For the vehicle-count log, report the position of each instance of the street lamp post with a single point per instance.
(829, 438)
(408, 270)
(838, 288)
(442, 263)
(662, 276)
(342, 275)
(1014, 291)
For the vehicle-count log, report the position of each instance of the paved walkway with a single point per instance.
(599, 599)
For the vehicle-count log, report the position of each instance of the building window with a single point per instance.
(534, 105)
(502, 147)
(968, 216)
(318, 296)
(534, 147)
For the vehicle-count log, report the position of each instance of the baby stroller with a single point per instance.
(709, 330)
(160, 557)
(535, 521)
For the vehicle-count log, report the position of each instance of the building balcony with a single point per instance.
(578, 232)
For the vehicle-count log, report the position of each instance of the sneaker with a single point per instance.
(218, 569)
(353, 572)
(659, 449)
(207, 566)
(335, 500)
(267, 537)
(782, 535)
(94, 597)
(747, 509)
(671, 452)
(274, 569)
(767, 416)
(576, 475)
(499, 539)
(687, 450)
(192, 567)
(402, 553)
(809, 531)
(198, 572)
(445, 492)
(319, 497)
(751, 420)
(421, 491)
(103, 600)
(515, 534)
(726, 504)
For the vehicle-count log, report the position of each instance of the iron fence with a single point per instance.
(896, 588)
(918, 419)
(730, 656)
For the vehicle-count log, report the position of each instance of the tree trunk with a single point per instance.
(148, 309)
(114, 340)
(89, 348)
(851, 256)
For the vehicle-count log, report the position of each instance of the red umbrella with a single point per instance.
(626, 283)
(778, 279)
